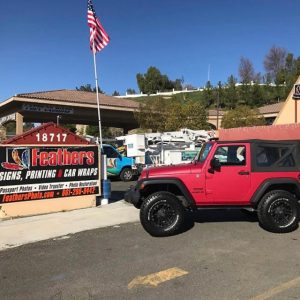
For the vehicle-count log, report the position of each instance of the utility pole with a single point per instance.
(218, 103)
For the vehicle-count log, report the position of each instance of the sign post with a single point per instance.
(296, 97)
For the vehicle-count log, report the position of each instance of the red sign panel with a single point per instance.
(48, 134)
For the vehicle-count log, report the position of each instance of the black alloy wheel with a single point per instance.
(278, 211)
(282, 212)
(162, 214)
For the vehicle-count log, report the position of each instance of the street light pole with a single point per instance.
(57, 119)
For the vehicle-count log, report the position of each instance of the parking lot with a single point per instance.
(220, 255)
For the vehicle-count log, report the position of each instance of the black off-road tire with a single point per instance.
(162, 214)
(278, 211)
(126, 174)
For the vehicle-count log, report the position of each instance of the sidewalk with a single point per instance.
(22, 231)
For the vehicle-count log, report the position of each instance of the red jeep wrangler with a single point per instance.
(258, 175)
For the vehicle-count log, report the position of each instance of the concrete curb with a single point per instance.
(17, 232)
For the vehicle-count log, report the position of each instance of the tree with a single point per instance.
(177, 84)
(246, 70)
(292, 71)
(257, 78)
(27, 126)
(247, 75)
(208, 94)
(242, 116)
(275, 61)
(115, 93)
(10, 128)
(175, 116)
(130, 91)
(189, 87)
(153, 81)
(170, 115)
(70, 127)
(230, 93)
(151, 113)
(256, 96)
(88, 88)
(92, 130)
(191, 114)
(194, 115)
(107, 132)
(219, 95)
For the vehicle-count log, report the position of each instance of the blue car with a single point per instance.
(119, 165)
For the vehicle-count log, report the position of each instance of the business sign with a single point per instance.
(34, 173)
(5, 119)
(47, 109)
(296, 95)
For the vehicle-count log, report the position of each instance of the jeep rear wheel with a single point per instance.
(162, 214)
(278, 212)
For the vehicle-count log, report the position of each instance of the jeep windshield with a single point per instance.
(204, 152)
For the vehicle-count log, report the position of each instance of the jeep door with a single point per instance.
(228, 175)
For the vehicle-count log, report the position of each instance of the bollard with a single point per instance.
(106, 190)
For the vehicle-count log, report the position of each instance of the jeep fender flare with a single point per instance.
(273, 182)
(174, 181)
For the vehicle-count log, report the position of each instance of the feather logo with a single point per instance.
(19, 162)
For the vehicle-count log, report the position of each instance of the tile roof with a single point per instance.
(80, 97)
(272, 108)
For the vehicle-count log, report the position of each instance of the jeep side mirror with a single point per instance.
(215, 164)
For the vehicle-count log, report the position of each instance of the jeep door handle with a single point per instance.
(243, 173)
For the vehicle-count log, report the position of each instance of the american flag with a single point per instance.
(98, 36)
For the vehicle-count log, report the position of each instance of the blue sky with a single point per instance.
(45, 44)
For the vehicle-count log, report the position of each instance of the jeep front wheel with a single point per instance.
(278, 212)
(162, 214)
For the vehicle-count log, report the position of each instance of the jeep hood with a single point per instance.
(167, 170)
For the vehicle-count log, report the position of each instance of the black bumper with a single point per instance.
(133, 196)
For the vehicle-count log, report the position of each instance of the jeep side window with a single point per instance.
(231, 155)
(287, 161)
(110, 152)
(268, 156)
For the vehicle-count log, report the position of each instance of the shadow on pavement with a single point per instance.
(224, 215)
(217, 216)
(116, 196)
(118, 189)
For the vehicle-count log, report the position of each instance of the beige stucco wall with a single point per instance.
(36, 207)
(287, 113)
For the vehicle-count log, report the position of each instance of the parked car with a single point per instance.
(119, 165)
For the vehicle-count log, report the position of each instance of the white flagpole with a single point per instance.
(97, 95)
(104, 200)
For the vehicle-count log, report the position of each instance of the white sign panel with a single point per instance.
(47, 109)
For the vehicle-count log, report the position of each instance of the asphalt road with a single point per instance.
(221, 255)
